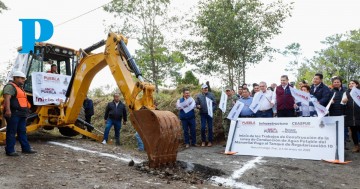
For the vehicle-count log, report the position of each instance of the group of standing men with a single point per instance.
(277, 101)
(205, 102)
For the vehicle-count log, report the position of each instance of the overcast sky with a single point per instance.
(311, 22)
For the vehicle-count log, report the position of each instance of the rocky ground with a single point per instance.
(63, 162)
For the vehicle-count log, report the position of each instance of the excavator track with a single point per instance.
(160, 132)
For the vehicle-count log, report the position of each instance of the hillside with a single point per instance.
(165, 100)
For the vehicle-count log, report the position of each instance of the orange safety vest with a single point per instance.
(21, 96)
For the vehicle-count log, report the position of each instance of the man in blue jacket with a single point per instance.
(320, 90)
(186, 105)
(247, 100)
(204, 114)
(114, 113)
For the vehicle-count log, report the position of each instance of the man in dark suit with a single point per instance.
(320, 90)
(89, 111)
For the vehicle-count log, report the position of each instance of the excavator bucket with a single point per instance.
(160, 132)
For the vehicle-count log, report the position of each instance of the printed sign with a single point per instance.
(298, 137)
(49, 88)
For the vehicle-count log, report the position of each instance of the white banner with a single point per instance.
(236, 110)
(300, 96)
(223, 101)
(209, 104)
(255, 104)
(330, 102)
(187, 105)
(300, 137)
(320, 109)
(49, 88)
(355, 95)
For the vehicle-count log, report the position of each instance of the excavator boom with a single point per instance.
(159, 130)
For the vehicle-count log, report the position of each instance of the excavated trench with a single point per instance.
(192, 173)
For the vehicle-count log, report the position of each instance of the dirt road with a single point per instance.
(77, 163)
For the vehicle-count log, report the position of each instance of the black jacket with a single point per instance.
(89, 107)
(337, 109)
(352, 112)
(322, 94)
(115, 113)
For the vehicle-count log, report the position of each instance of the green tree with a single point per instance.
(190, 78)
(159, 64)
(234, 33)
(4, 73)
(293, 50)
(145, 20)
(340, 57)
(2, 7)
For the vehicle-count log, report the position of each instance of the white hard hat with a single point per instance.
(204, 86)
(18, 74)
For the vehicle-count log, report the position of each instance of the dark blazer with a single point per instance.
(322, 93)
(201, 100)
(115, 113)
(337, 109)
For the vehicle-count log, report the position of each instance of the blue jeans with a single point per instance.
(206, 118)
(267, 113)
(117, 127)
(16, 125)
(139, 141)
(189, 124)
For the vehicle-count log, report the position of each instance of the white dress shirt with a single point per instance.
(265, 103)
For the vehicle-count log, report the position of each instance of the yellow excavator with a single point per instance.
(159, 130)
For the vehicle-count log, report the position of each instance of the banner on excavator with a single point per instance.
(49, 88)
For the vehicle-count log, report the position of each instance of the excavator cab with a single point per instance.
(46, 55)
(41, 59)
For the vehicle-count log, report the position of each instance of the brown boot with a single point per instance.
(356, 149)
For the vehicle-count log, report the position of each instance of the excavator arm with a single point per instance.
(159, 130)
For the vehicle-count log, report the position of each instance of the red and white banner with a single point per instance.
(187, 105)
(300, 96)
(49, 88)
